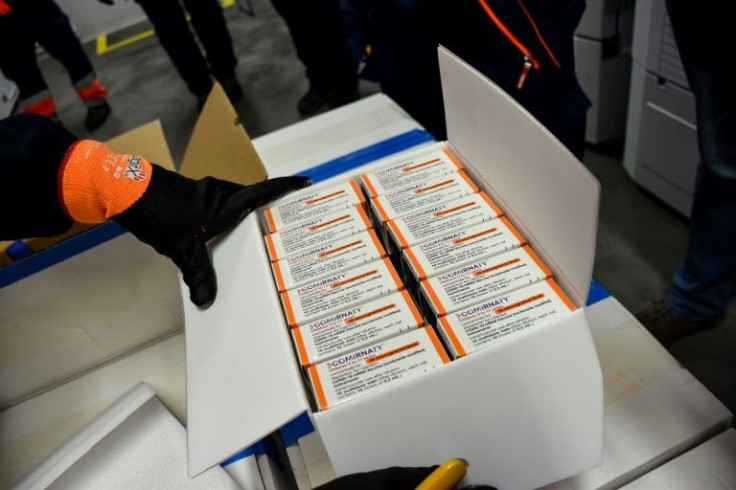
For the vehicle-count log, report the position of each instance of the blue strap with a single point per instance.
(368, 154)
(296, 429)
(59, 252)
(256, 449)
(596, 293)
(18, 250)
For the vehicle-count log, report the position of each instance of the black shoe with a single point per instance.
(97, 115)
(313, 101)
(232, 89)
(668, 328)
(316, 99)
(343, 97)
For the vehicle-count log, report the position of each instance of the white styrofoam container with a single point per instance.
(525, 412)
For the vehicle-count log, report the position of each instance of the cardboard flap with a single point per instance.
(220, 146)
(148, 141)
(242, 378)
(536, 179)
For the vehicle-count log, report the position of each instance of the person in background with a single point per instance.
(524, 46)
(23, 23)
(50, 179)
(705, 285)
(318, 33)
(169, 19)
(360, 38)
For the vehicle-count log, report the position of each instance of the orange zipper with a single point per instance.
(530, 61)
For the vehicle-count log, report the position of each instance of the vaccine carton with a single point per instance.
(328, 259)
(376, 366)
(447, 252)
(441, 219)
(316, 233)
(309, 204)
(474, 327)
(409, 170)
(421, 196)
(480, 280)
(355, 327)
(339, 291)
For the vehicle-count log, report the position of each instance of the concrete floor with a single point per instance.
(640, 241)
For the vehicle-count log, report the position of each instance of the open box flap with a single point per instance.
(242, 378)
(220, 146)
(544, 385)
(147, 140)
(550, 192)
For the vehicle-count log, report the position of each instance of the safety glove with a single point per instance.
(177, 216)
(174, 214)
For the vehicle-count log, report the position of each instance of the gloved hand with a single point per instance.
(446, 476)
(177, 216)
(394, 478)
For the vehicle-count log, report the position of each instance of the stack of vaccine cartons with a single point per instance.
(353, 324)
(381, 290)
(472, 273)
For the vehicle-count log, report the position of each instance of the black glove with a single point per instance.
(107, 2)
(394, 478)
(177, 216)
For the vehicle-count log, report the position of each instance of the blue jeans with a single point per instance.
(706, 283)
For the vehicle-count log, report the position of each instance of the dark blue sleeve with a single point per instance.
(31, 149)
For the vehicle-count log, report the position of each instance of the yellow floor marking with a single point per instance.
(102, 47)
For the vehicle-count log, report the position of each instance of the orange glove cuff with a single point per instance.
(96, 183)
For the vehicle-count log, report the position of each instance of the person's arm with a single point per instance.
(48, 179)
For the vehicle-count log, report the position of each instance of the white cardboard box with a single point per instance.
(524, 412)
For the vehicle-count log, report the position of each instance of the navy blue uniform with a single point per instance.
(409, 32)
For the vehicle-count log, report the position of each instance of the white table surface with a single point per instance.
(712, 465)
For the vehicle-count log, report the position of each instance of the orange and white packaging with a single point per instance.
(423, 195)
(327, 260)
(316, 233)
(310, 204)
(409, 171)
(454, 250)
(474, 327)
(382, 364)
(442, 219)
(337, 292)
(356, 327)
(481, 280)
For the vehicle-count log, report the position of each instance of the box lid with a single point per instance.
(243, 380)
(557, 201)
